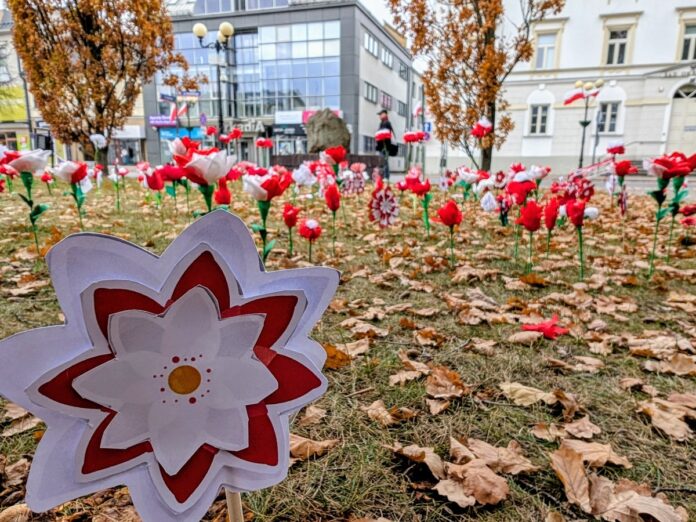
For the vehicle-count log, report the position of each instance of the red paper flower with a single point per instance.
(520, 190)
(449, 214)
(46, 177)
(530, 216)
(264, 143)
(235, 133)
(482, 128)
(575, 209)
(155, 181)
(418, 187)
(211, 130)
(147, 355)
(688, 210)
(689, 221)
(617, 148)
(310, 229)
(222, 195)
(549, 328)
(624, 168)
(551, 213)
(414, 136)
(337, 154)
(383, 135)
(332, 197)
(290, 214)
(171, 172)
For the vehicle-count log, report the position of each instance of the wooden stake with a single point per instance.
(234, 506)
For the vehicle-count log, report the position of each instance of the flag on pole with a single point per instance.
(579, 94)
(182, 110)
(172, 112)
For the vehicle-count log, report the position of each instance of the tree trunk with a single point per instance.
(487, 151)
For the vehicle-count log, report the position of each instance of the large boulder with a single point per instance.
(325, 130)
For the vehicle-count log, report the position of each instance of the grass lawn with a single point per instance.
(616, 317)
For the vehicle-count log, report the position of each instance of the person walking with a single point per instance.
(385, 147)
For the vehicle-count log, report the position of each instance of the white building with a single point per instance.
(644, 50)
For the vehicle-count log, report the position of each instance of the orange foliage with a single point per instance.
(86, 60)
(468, 58)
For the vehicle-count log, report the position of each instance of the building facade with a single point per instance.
(286, 60)
(644, 50)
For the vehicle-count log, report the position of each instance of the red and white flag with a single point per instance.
(579, 94)
(182, 110)
(172, 112)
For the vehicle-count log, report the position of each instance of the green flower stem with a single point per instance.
(79, 198)
(118, 197)
(453, 261)
(517, 242)
(35, 232)
(548, 243)
(50, 190)
(671, 235)
(207, 191)
(651, 270)
(289, 242)
(333, 234)
(310, 250)
(531, 252)
(581, 254)
(9, 184)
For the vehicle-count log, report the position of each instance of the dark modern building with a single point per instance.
(287, 59)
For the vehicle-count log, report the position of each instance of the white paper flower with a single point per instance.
(174, 375)
(252, 186)
(489, 203)
(591, 213)
(211, 167)
(303, 176)
(31, 161)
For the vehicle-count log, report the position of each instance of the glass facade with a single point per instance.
(299, 68)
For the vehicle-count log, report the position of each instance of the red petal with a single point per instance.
(294, 380)
(60, 388)
(108, 301)
(185, 482)
(263, 447)
(204, 271)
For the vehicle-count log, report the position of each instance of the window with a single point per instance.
(403, 70)
(401, 108)
(371, 44)
(386, 101)
(369, 144)
(539, 119)
(617, 47)
(546, 51)
(371, 92)
(250, 5)
(608, 117)
(689, 45)
(387, 57)
(4, 73)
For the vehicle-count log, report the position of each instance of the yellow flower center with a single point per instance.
(184, 380)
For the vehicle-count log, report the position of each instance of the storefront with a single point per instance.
(127, 145)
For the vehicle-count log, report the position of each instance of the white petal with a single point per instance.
(175, 432)
(192, 325)
(128, 427)
(239, 382)
(238, 335)
(122, 381)
(228, 429)
(135, 331)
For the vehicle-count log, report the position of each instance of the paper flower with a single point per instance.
(530, 216)
(27, 161)
(450, 216)
(173, 375)
(549, 328)
(334, 155)
(222, 195)
(384, 208)
(482, 128)
(311, 231)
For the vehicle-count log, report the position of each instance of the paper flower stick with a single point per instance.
(333, 200)
(175, 376)
(311, 231)
(530, 219)
(75, 174)
(290, 214)
(450, 216)
(551, 210)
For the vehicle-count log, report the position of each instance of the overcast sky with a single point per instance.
(378, 8)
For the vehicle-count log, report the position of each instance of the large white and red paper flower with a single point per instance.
(173, 375)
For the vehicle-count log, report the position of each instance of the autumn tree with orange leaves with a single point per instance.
(470, 47)
(86, 60)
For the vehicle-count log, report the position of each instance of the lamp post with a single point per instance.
(221, 45)
(587, 87)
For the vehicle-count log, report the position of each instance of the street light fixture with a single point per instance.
(587, 87)
(222, 44)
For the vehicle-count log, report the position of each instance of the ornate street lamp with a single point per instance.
(587, 87)
(221, 45)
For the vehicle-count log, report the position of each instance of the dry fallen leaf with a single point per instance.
(596, 455)
(526, 395)
(21, 425)
(303, 449)
(668, 417)
(526, 338)
(335, 358)
(443, 383)
(549, 432)
(379, 413)
(312, 415)
(504, 460)
(583, 428)
(570, 470)
(16, 513)
(425, 456)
